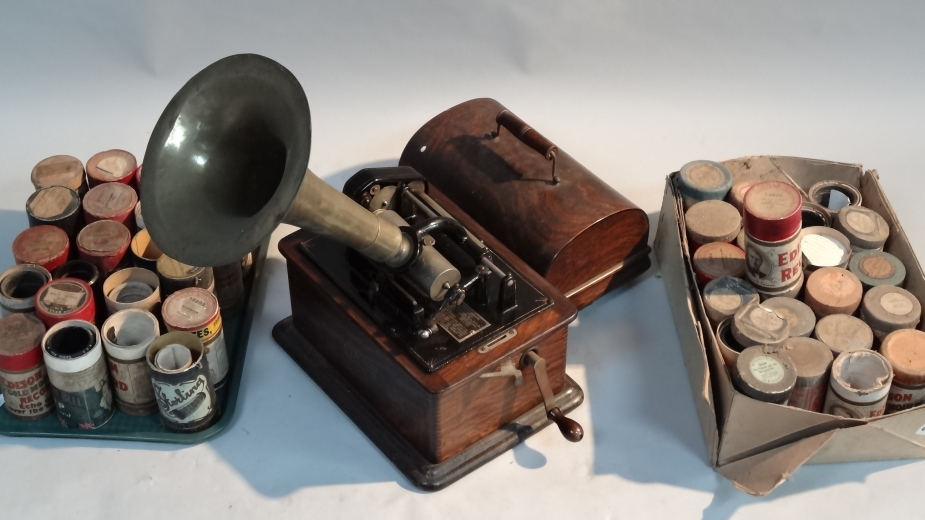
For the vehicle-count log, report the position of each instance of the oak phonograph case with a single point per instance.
(426, 322)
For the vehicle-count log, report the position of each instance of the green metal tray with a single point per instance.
(125, 427)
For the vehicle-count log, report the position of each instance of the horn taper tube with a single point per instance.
(322, 209)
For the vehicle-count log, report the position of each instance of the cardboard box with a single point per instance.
(754, 444)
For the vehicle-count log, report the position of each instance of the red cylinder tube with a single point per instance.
(65, 299)
(47, 246)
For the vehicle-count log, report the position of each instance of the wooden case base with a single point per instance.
(417, 469)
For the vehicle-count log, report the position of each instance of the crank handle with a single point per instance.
(570, 429)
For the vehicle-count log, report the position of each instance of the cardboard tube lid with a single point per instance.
(755, 324)
(65, 299)
(190, 309)
(704, 180)
(798, 315)
(886, 308)
(58, 170)
(104, 238)
(864, 227)
(724, 296)
(876, 268)
(862, 376)
(773, 211)
(824, 247)
(712, 221)
(833, 290)
(110, 201)
(46, 246)
(111, 166)
(718, 259)
(905, 350)
(69, 357)
(765, 373)
(20, 342)
(811, 357)
(843, 333)
(53, 203)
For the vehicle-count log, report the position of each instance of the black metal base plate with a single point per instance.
(417, 469)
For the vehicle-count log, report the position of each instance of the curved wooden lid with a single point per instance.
(570, 232)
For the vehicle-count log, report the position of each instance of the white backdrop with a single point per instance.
(630, 90)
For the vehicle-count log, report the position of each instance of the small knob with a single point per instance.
(571, 430)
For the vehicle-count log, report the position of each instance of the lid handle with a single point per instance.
(528, 136)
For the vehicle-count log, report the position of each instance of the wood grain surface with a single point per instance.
(570, 232)
(442, 412)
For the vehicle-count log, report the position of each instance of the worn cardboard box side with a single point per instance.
(754, 444)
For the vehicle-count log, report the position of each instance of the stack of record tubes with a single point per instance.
(96, 321)
(808, 309)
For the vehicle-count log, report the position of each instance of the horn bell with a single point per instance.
(225, 160)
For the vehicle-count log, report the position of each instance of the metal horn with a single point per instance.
(227, 162)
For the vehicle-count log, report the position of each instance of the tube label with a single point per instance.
(903, 397)
(836, 405)
(776, 266)
(184, 402)
(131, 382)
(27, 394)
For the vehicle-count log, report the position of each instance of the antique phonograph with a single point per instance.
(444, 347)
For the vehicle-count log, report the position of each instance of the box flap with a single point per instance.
(672, 264)
(898, 243)
(754, 426)
(868, 442)
(804, 172)
(762, 472)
